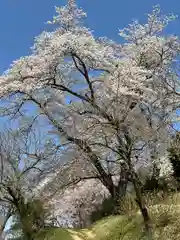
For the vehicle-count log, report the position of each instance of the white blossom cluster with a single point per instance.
(165, 167)
(130, 77)
(142, 71)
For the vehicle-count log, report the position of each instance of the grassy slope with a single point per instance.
(111, 228)
(59, 233)
(165, 217)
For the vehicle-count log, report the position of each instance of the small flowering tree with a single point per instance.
(20, 169)
(115, 100)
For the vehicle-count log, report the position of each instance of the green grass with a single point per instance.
(165, 215)
(64, 234)
(55, 233)
(118, 228)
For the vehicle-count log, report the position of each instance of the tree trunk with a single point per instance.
(19, 204)
(116, 191)
(120, 191)
(106, 179)
(142, 206)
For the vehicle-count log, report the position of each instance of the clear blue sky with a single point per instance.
(22, 20)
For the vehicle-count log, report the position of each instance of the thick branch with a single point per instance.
(84, 73)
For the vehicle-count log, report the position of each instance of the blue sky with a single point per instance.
(22, 20)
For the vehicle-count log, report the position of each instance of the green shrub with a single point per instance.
(106, 209)
(174, 156)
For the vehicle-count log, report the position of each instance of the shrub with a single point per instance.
(106, 209)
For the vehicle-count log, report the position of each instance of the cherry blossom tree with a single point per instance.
(116, 101)
(21, 166)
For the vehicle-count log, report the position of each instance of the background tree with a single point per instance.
(74, 205)
(21, 167)
(174, 156)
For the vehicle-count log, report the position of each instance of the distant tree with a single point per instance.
(20, 168)
(174, 156)
(74, 205)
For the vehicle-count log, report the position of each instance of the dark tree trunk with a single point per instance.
(142, 205)
(125, 151)
(117, 192)
(120, 191)
(19, 203)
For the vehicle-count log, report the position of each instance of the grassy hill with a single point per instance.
(106, 229)
(165, 217)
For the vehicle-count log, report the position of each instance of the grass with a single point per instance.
(60, 233)
(164, 212)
